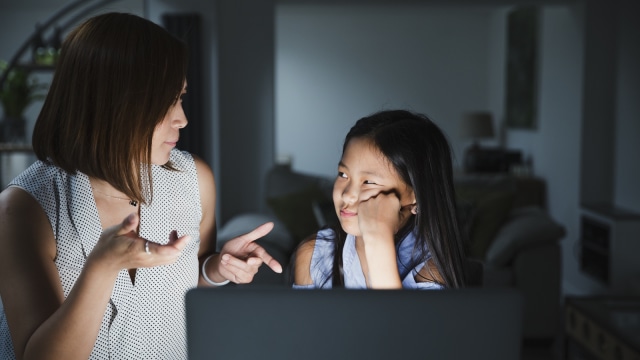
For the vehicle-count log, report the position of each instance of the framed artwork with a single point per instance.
(522, 64)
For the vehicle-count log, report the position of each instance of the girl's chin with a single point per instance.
(350, 228)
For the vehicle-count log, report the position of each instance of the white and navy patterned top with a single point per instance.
(141, 321)
(322, 264)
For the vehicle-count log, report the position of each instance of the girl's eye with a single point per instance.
(368, 182)
(342, 175)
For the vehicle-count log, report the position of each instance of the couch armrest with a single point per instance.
(525, 227)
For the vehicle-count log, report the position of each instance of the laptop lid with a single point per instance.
(255, 322)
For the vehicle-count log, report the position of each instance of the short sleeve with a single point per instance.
(409, 281)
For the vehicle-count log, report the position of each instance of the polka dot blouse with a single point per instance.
(141, 321)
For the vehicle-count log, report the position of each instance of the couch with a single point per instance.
(508, 231)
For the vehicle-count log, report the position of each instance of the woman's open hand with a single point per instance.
(121, 247)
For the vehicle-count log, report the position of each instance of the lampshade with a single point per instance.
(477, 125)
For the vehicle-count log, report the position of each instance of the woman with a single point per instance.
(104, 234)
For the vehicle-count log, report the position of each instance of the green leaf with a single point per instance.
(18, 90)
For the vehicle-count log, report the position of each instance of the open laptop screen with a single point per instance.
(282, 323)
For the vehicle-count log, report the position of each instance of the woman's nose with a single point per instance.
(180, 119)
(182, 122)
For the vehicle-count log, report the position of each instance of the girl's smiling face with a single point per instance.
(364, 172)
(167, 133)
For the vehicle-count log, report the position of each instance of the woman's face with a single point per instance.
(167, 133)
(364, 172)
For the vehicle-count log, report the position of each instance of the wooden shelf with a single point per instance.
(609, 246)
(611, 210)
(15, 147)
(36, 67)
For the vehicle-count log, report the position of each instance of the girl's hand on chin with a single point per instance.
(380, 214)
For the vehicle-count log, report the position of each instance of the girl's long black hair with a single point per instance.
(421, 154)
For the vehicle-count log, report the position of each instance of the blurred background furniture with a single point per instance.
(475, 126)
(510, 231)
(609, 247)
(602, 327)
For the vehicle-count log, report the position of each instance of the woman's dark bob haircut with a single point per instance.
(117, 76)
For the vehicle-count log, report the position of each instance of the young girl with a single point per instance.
(395, 201)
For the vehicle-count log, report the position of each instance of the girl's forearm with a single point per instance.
(382, 265)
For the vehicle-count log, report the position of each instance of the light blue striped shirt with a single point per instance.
(322, 264)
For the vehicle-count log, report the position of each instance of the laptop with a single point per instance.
(256, 322)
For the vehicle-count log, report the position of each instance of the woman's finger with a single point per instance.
(268, 259)
(256, 233)
(170, 250)
(239, 271)
(129, 224)
(247, 265)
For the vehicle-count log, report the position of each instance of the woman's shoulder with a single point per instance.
(39, 177)
(22, 211)
(15, 197)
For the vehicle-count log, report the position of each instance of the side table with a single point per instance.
(602, 327)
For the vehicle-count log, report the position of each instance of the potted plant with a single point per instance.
(17, 92)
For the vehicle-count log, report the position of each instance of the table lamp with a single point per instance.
(475, 125)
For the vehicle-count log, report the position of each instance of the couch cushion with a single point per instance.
(497, 276)
(526, 226)
(282, 180)
(489, 209)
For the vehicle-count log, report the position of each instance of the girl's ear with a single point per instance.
(414, 206)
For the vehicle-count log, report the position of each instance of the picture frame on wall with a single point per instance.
(522, 68)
